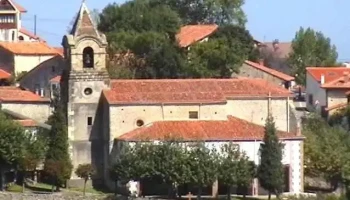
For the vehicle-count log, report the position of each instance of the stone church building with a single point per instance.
(102, 112)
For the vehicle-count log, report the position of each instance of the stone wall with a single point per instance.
(29, 196)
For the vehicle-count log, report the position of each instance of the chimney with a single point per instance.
(261, 61)
(322, 79)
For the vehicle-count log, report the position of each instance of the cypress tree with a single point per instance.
(270, 171)
(57, 162)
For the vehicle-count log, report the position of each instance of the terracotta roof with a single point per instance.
(188, 91)
(282, 51)
(60, 50)
(214, 130)
(270, 71)
(15, 94)
(193, 33)
(330, 73)
(4, 74)
(17, 6)
(30, 34)
(56, 79)
(29, 48)
(342, 82)
(337, 106)
(27, 122)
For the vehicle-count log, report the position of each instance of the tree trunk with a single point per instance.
(2, 179)
(53, 185)
(269, 198)
(84, 187)
(199, 194)
(229, 192)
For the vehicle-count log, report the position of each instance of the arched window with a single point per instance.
(20, 38)
(88, 57)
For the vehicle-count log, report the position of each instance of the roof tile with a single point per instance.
(231, 129)
(18, 7)
(4, 74)
(330, 73)
(189, 90)
(26, 122)
(15, 94)
(193, 33)
(30, 34)
(29, 48)
(270, 71)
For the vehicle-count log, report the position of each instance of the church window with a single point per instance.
(88, 91)
(88, 57)
(20, 38)
(140, 123)
(89, 121)
(193, 114)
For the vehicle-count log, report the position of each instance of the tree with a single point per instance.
(235, 169)
(310, 48)
(270, 171)
(85, 171)
(208, 11)
(326, 150)
(12, 138)
(203, 166)
(57, 161)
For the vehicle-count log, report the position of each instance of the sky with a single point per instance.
(267, 19)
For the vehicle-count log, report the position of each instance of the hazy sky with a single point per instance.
(267, 19)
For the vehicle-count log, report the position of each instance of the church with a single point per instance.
(102, 112)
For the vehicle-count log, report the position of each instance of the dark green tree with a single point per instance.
(235, 169)
(85, 171)
(311, 48)
(203, 166)
(207, 11)
(57, 161)
(12, 145)
(270, 171)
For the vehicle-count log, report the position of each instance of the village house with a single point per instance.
(326, 88)
(258, 70)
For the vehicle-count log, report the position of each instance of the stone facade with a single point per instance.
(39, 111)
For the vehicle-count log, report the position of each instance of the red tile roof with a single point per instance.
(15, 94)
(29, 48)
(26, 122)
(342, 82)
(56, 79)
(330, 73)
(186, 91)
(60, 50)
(4, 74)
(193, 33)
(270, 71)
(30, 34)
(215, 130)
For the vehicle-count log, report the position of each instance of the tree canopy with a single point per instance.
(310, 48)
(143, 33)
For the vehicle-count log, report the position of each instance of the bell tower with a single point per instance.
(82, 84)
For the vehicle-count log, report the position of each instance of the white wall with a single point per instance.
(28, 62)
(319, 94)
(37, 111)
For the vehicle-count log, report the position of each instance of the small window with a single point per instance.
(88, 91)
(89, 121)
(193, 114)
(53, 69)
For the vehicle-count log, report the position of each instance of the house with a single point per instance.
(324, 88)
(275, 55)
(44, 79)
(11, 29)
(258, 70)
(19, 57)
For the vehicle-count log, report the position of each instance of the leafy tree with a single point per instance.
(235, 168)
(12, 138)
(85, 171)
(57, 161)
(310, 48)
(270, 171)
(207, 11)
(203, 166)
(326, 150)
